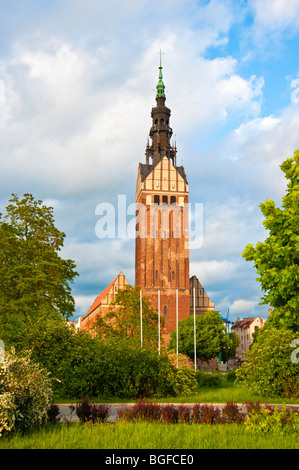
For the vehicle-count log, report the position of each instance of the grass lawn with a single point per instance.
(145, 435)
(228, 391)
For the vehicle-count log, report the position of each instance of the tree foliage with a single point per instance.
(123, 320)
(210, 336)
(34, 279)
(277, 258)
(269, 369)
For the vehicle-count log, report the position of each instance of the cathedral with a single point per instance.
(162, 231)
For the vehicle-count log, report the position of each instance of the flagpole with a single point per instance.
(159, 321)
(177, 330)
(194, 328)
(141, 318)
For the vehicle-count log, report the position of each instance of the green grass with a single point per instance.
(229, 391)
(145, 435)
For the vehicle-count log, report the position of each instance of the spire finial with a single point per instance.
(160, 86)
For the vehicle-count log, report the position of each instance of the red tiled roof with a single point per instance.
(100, 297)
(245, 323)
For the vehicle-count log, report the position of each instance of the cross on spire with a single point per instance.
(160, 86)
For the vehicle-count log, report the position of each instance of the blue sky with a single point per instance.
(77, 86)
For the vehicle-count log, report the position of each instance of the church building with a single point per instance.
(162, 232)
(162, 242)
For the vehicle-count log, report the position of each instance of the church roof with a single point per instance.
(146, 170)
(100, 297)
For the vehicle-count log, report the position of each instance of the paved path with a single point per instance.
(67, 415)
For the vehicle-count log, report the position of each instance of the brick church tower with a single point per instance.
(162, 237)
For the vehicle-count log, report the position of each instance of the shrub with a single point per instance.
(232, 414)
(169, 414)
(87, 411)
(185, 381)
(231, 375)
(115, 370)
(142, 410)
(146, 410)
(208, 380)
(25, 393)
(184, 414)
(278, 422)
(205, 414)
(210, 414)
(53, 414)
(7, 413)
(269, 370)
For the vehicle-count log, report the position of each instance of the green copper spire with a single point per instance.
(160, 86)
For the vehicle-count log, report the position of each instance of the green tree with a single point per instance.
(210, 332)
(123, 321)
(277, 258)
(34, 279)
(269, 369)
(229, 346)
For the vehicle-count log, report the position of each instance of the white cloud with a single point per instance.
(79, 86)
(242, 307)
(275, 14)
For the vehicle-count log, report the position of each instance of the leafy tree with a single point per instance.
(229, 346)
(269, 369)
(277, 258)
(122, 321)
(210, 333)
(34, 279)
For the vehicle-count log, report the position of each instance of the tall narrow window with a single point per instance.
(164, 199)
(156, 274)
(172, 200)
(165, 310)
(173, 275)
(156, 199)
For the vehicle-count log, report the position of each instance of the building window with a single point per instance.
(164, 199)
(172, 275)
(156, 199)
(165, 310)
(172, 200)
(156, 274)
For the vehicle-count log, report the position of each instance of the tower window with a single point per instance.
(156, 274)
(156, 199)
(162, 121)
(156, 122)
(172, 275)
(165, 310)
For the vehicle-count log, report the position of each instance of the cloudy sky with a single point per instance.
(77, 83)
